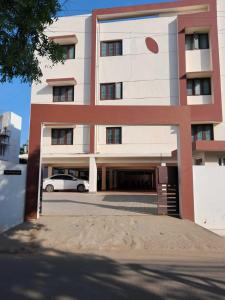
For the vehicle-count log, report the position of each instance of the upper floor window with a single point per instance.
(203, 132)
(113, 135)
(63, 93)
(68, 51)
(62, 136)
(197, 41)
(199, 86)
(111, 48)
(111, 91)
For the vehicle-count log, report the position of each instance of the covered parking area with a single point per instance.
(124, 186)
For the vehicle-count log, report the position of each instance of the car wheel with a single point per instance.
(81, 188)
(49, 188)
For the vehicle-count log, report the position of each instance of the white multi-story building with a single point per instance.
(138, 86)
(10, 131)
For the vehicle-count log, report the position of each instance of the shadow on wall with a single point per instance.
(87, 61)
(32, 184)
(33, 271)
(173, 63)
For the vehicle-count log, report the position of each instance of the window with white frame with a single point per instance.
(111, 48)
(63, 93)
(199, 86)
(111, 91)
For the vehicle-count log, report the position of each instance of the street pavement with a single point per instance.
(64, 276)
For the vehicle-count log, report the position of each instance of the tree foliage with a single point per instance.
(22, 38)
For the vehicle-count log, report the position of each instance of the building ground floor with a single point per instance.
(110, 173)
(130, 184)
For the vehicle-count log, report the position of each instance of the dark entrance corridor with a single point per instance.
(131, 180)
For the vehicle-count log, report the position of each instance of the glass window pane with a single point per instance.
(71, 52)
(62, 94)
(109, 133)
(209, 132)
(189, 87)
(199, 133)
(189, 42)
(62, 135)
(111, 49)
(103, 91)
(118, 46)
(54, 137)
(206, 86)
(196, 41)
(70, 93)
(111, 91)
(197, 86)
(204, 41)
(118, 92)
(69, 137)
(103, 49)
(64, 51)
(117, 135)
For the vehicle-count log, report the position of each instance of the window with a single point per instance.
(111, 48)
(62, 136)
(63, 93)
(68, 51)
(199, 86)
(198, 161)
(2, 150)
(111, 91)
(202, 132)
(113, 135)
(221, 161)
(197, 41)
(56, 171)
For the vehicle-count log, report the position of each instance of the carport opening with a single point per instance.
(130, 180)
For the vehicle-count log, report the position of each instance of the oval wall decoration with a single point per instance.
(152, 45)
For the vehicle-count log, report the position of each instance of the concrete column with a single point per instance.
(92, 175)
(110, 179)
(49, 171)
(103, 178)
(115, 180)
(186, 193)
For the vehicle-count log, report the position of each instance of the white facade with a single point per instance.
(12, 195)
(10, 131)
(78, 68)
(210, 197)
(148, 79)
(219, 130)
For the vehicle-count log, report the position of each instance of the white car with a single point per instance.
(65, 182)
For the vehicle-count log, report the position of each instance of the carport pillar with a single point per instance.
(103, 178)
(92, 175)
(49, 171)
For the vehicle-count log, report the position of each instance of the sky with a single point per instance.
(15, 96)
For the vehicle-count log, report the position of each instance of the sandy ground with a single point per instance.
(100, 204)
(123, 236)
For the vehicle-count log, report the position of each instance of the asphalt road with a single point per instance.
(70, 276)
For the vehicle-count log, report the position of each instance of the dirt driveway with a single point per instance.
(100, 204)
